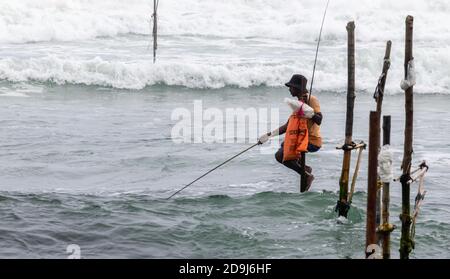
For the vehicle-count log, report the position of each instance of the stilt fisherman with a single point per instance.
(302, 129)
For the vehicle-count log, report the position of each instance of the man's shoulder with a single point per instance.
(313, 100)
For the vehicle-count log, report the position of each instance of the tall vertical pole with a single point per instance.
(155, 29)
(386, 228)
(342, 205)
(379, 98)
(303, 181)
(374, 142)
(405, 241)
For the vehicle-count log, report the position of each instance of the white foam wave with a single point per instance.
(278, 25)
(47, 20)
(29, 20)
(137, 74)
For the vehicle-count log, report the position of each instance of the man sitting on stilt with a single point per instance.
(302, 129)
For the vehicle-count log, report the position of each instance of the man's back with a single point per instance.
(315, 137)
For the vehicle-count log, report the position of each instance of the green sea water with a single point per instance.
(93, 167)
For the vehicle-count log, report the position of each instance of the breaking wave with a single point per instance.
(46, 20)
(137, 74)
(280, 24)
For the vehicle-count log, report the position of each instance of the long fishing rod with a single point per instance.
(317, 52)
(242, 152)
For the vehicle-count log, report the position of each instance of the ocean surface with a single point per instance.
(87, 151)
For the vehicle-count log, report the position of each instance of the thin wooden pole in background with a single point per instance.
(155, 29)
(342, 205)
(386, 228)
(406, 244)
(374, 142)
(379, 94)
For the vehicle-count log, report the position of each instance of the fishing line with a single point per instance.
(242, 152)
(317, 51)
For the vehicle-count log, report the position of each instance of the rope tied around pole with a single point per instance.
(386, 228)
(378, 90)
(405, 178)
(352, 146)
(348, 147)
(379, 184)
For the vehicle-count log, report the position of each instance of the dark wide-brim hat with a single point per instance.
(298, 81)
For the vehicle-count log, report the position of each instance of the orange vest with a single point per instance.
(296, 139)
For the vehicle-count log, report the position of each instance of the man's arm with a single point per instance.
(264, 138)
(314, 103)
(283, 129)
(279, 131)
(317, 118)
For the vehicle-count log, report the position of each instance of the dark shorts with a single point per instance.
(279, 154)
(311, 148)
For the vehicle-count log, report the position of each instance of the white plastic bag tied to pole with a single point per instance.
(410, 80)
(385, 164)
(299, 107)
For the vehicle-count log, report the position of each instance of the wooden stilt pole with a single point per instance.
(379, 94)
(406, 244)
(303, 180)
(386, 228)
(374, 142)
(155, 29)
(355, 175)
(342, 204)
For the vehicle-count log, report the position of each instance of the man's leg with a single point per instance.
(293, 164)
(279, 155)
(308, 170)
(296, 166)
(311, 149)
